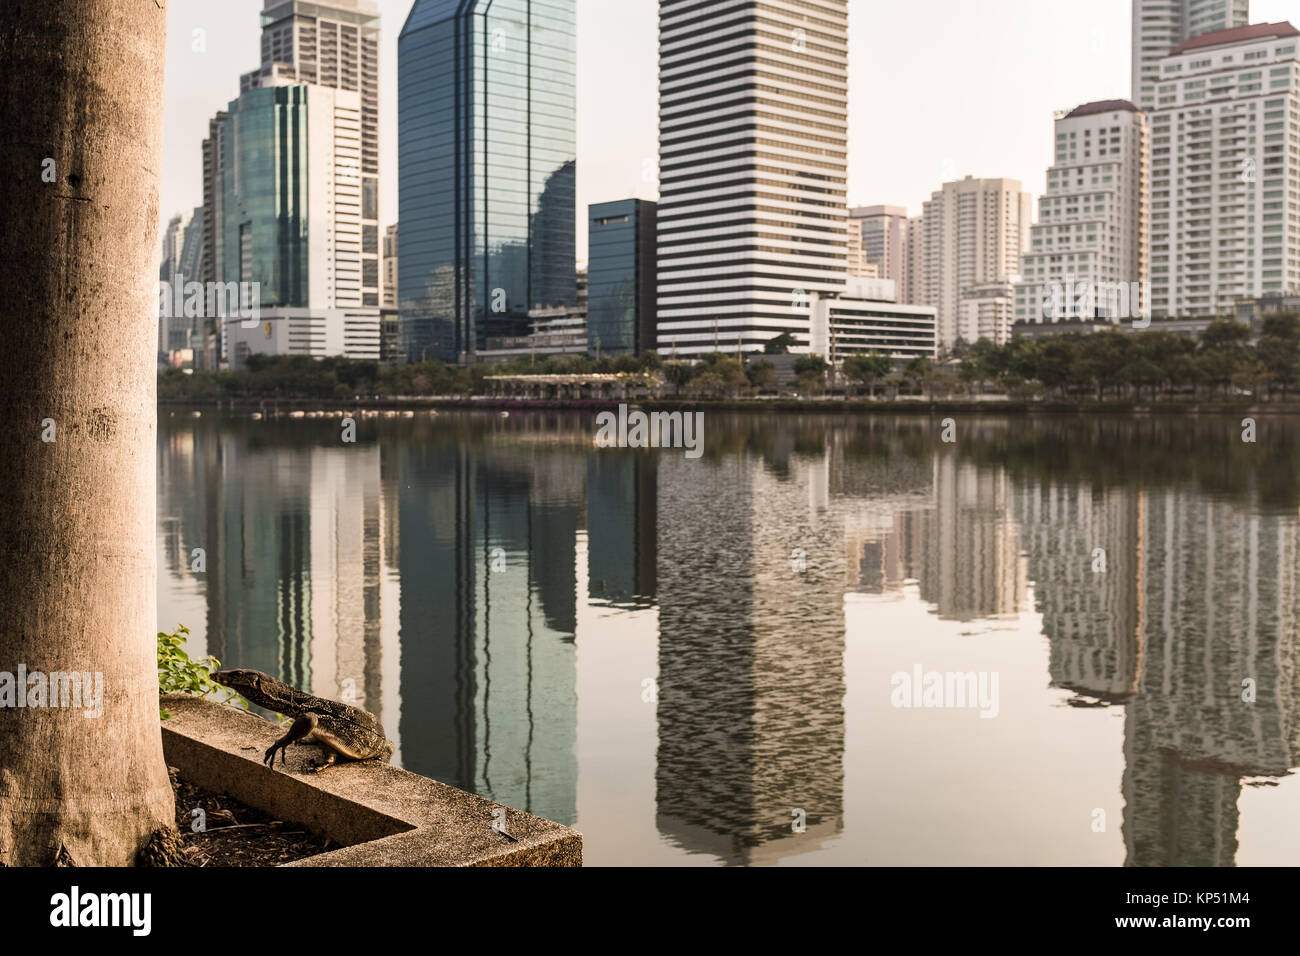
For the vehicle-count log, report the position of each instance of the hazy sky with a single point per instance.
(938, 89)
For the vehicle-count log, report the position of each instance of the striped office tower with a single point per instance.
(753, 127)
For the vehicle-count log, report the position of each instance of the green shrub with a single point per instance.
(176, 672)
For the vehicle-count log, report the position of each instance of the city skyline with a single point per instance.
(682, 433)
(615, 147)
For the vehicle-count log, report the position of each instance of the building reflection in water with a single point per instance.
(429, 572)
(622, 496)
(751, 655)
(487, 621)
(1218, 609)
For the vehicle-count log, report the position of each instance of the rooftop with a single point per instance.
(860, 212)
(1256, 31)
(1102, 106)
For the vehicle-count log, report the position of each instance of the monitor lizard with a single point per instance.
(339, 729)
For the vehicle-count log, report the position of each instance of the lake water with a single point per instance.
(706, 660)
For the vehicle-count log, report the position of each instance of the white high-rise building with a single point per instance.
(753, 128)
(883, 230)
(182, 262)
(1092, 222)
(857, 261)
(389, 298)
(173, 238)
(909, 288)
(975, 230)
(335, 44)
(1160, 25)
(1225, 171)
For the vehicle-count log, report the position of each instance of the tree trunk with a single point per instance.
(81, 124)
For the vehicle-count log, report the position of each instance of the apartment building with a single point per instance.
(1225, 171)
(1093, 220)
(1160, 25)
(974, 232)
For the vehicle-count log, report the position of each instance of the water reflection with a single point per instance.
(473, 580)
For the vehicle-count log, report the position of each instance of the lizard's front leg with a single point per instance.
(300, 728)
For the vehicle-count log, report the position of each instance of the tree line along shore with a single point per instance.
(1223, 365)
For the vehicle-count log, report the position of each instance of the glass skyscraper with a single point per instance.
(621, 277)
(486, 158)
(264, 193)
(289, 216)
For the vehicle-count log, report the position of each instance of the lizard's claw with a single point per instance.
(269, 757)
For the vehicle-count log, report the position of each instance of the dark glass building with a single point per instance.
(263, 228)
(486, 158)
(287, 196)
(621, 277)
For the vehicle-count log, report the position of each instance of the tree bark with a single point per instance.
(84, 88)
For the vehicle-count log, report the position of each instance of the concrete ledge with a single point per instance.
(382, 815)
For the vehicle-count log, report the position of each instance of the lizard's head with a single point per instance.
(262, 689)
(254, 685)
